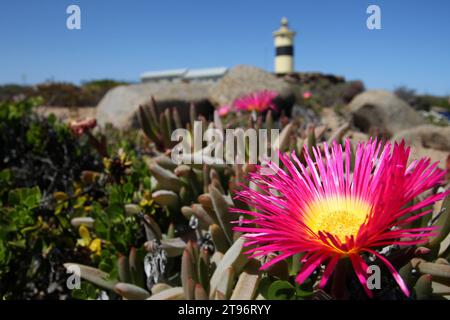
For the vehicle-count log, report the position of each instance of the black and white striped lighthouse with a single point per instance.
(284, 49)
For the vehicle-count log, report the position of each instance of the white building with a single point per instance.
(204, 75)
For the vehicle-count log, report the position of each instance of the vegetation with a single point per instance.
(60, 93)
(138, 226)
(422, 101)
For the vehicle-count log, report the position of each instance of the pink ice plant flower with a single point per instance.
(223, 110)
(257, 101)
(326, 211)
(307, 95)
(81, 126)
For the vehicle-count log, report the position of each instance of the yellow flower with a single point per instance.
(95, 245)
(146, 200)
(78, 188)
(107, 163)
(123, 158)
(85, 236)
(60, 196)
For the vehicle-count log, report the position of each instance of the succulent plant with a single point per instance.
(200, 257)
(213, 264)
(429, 271)
(159, 128)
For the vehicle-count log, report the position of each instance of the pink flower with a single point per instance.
(79, 127)
(223, 110)
(258, 101)
(327, 212)
(307, 95)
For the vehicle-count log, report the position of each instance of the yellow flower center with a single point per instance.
(339, 216)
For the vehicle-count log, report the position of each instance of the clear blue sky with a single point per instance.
(120, 39)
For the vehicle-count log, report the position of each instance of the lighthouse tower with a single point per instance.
(284, 49)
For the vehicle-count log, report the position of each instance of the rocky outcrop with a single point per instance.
(242, 80)
(426, 136)
(427, 141)
(311, 78)
(381, 111)
(120, 104)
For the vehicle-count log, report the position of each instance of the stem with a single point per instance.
(339, 286)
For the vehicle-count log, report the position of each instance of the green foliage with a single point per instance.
(102, 84)
(31, 243)
(284, 290)
(87, 291)
(36, 234)
(60, 93)
(422, 101)
(40, 151)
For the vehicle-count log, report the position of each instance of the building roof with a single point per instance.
(185, 73)
(205, 72)
(173, 73)
(284, 29)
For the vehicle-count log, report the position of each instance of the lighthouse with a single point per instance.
(284, 49)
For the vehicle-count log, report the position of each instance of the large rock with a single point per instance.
(427, 141)
(381, 111)
(120, 104)
(332, 119)
(427, 136)
(243, 79)
(435, 155)
(356, 137)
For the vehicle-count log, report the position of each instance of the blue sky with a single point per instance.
(120, 39)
